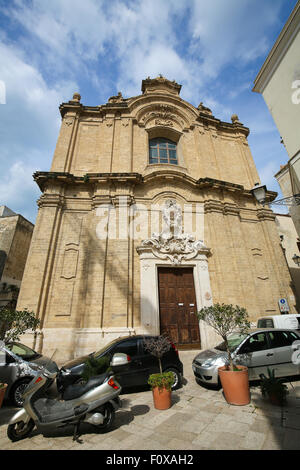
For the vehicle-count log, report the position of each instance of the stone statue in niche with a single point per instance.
(172, 243)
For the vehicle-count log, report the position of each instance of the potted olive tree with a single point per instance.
(226, 319)
(162, 382)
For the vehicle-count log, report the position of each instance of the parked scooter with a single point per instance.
(93, 402)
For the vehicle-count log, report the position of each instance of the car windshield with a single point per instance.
(22, 351)
(233, 341)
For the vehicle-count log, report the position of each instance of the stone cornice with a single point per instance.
(265, 214)
(220, 184)
(51, 200)
(43, 177)
(208, 119)
(132, 179)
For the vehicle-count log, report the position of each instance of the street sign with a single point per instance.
(283, 306)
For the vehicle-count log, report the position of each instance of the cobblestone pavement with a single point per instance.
(198, 419)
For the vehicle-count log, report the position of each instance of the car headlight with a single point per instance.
(213, 362)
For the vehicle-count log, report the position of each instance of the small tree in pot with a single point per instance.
(226, 319)
(14, 323)
(162, 382)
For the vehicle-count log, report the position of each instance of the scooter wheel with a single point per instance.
(109, 417)
(19, 430)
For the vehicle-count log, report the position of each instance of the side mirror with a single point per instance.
(9, 359)
(120, 359)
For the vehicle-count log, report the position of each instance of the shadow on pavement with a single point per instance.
(283, 421)
(122, 418)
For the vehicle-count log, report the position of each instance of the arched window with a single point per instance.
(162, 151)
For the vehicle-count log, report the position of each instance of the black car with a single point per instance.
(136, 373)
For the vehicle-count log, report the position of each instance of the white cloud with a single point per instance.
(230, 31)
(111, 46)
(29, 127)
(18, 188)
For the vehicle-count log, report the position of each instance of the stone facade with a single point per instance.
(290, 246)
(15, 238)
(93, 262)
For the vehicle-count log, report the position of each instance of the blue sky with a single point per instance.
(49, 50)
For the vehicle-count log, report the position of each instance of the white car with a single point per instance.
(259, 350)
(290, 321)
(16, 370)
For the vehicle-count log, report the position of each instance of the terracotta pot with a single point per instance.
(161, 398)
(2, 393)
(235, 385)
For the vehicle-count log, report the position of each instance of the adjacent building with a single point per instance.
(145, 216)
(15, 238)
(290, 245)
(279, 83)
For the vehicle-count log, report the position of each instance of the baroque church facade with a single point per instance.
(146, 215)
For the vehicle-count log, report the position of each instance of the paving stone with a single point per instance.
(239, 416)
(228, 426)
(264, 425)
(270, 444)
(291, 440)
(253, 440)
(178, 444)
(226, 441)
(194, 427)
(176, 432)
(206, 439)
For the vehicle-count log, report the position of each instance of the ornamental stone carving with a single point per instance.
(172, 243)
(160, 112)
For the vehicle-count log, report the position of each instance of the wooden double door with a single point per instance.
(178, 307)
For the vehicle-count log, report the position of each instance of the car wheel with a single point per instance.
(177, 378)
(17, 390)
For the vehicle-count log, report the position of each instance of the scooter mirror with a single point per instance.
(120, 359)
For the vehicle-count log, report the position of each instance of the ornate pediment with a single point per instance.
(161, 115)
(172, 243)
(160, 84)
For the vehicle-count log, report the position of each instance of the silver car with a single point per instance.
(259, 350)
(16, 370)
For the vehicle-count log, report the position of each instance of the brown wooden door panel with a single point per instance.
(172, 332)
(177, 302)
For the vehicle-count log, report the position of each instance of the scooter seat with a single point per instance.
(77, 390)
(50, 410)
